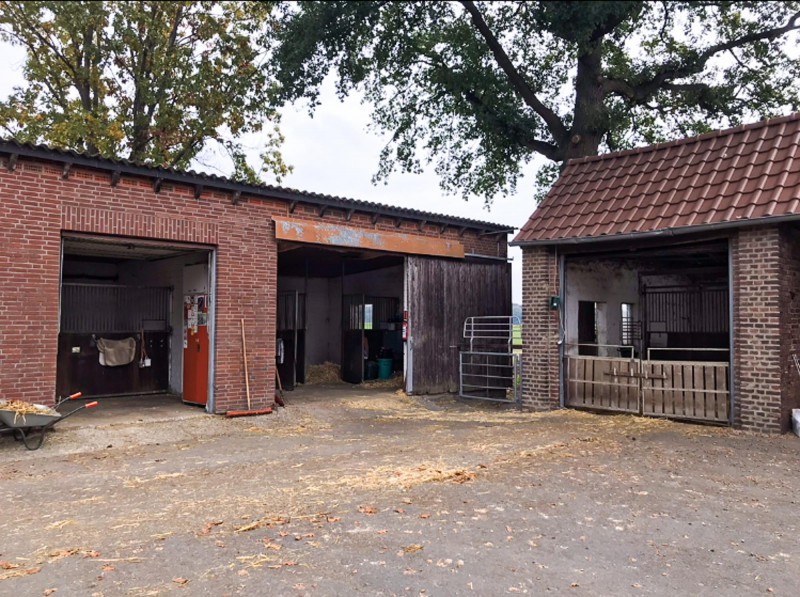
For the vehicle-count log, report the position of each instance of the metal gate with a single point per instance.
(690, 390)
(488, 367)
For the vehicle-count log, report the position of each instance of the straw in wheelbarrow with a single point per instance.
(22, 409)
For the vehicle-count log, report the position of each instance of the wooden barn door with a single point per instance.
(442, 293)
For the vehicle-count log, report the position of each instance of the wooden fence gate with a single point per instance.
(691, 390)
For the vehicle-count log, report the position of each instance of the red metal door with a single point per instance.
(195, 349)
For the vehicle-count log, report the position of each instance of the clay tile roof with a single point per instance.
(743, 175)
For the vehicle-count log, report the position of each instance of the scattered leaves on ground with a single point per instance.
(210, 525)
(15, 573)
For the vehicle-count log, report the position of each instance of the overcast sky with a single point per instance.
(333, 153)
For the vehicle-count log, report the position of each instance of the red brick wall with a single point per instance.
(790, 323)
(540, 329)
(30, 254)
(43, 204)
(38, 203)
(756, 260)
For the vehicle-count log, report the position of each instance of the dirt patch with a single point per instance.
(358, 491)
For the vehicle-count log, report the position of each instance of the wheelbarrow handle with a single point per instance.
(75, 396)
(72, 412)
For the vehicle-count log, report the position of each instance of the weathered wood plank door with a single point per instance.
(442, 293)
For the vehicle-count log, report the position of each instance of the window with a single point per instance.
(626, 324)
(367, 317)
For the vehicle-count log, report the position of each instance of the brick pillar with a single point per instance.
(757, 329)
(30, 257)
(540, 329)
(790, 324)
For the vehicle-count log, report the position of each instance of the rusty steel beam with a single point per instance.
(337, 235)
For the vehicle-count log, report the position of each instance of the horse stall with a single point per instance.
(340, 306)
(135, 318)
(648, 332)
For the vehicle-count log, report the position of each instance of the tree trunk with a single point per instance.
(591, 120)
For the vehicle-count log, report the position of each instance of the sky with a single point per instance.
(333, 153)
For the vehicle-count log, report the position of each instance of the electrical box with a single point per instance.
(555, 302)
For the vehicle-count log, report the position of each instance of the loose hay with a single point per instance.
(393, 383)
(405, 478)
(327, 372)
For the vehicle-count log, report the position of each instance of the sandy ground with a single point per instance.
(358, 491)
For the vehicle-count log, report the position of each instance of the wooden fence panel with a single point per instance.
(686, 390)
(602, 383)
(675, 389)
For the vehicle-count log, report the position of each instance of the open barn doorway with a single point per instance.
(136, 318)
(648, 331)
(340, 313)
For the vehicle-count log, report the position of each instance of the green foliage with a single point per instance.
(478, 88)
(155, 82)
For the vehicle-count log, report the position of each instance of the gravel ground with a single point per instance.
(365, 491)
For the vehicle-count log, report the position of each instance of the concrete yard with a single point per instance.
(366, 491)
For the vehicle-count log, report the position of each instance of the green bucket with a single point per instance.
(384, 368)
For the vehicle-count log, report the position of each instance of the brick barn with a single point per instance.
(159, 273)
(665, 281)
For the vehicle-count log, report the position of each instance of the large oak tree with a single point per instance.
(479, 88)
(151, 81)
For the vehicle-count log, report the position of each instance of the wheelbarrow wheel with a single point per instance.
(31, 441)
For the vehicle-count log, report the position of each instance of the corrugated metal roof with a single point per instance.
(745, 175)
(211, 181)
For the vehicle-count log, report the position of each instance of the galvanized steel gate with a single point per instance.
(488, 367)
(691, 390)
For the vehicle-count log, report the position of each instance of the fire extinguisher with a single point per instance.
(405, 326)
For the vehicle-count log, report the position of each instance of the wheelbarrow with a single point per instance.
(31, 427)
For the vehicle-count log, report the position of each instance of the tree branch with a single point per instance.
(33, 29)
(514, 132)
(518, 82)
(640, 93)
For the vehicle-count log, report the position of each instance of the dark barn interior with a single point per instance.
(341, 306)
